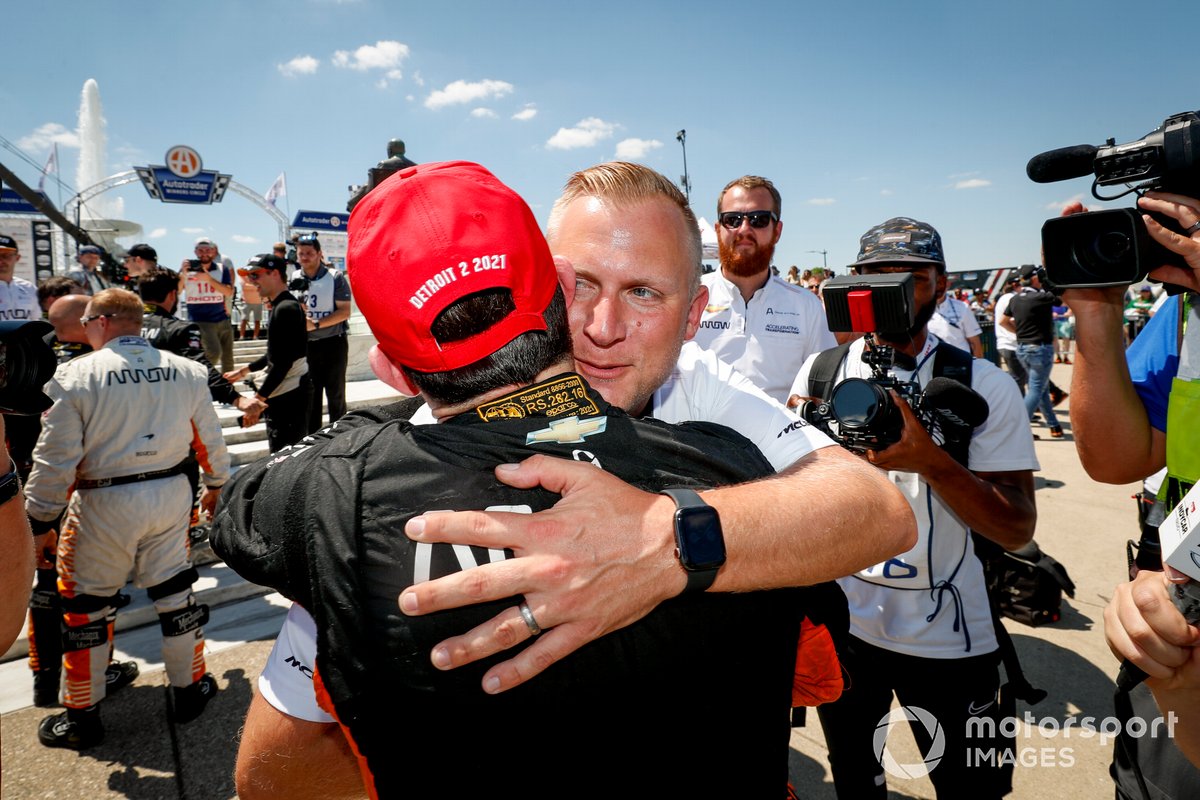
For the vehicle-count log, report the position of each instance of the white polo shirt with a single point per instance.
(767, 339)
(954, 323)
(18, 301)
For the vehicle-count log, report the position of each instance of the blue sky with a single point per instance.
(858, 111)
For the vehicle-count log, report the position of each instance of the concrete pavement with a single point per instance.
(1081, 523)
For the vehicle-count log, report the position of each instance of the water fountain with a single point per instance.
(101, 216)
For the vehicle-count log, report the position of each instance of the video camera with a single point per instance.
(861, 414)
(1113, 248)
(26, 364)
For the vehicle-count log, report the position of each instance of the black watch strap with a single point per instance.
(698, 580)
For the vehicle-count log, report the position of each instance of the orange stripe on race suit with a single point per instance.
(326, 703)
(201, 450)
(818, 677)
(198, 665)
(66, 558)
(77, 664)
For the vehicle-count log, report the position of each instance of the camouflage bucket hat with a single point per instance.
(901, 240)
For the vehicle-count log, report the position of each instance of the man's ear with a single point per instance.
(389, 373)
(695, 313)
(566, 278)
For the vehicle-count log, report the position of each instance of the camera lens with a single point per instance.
(1111, 246)
(858, 404)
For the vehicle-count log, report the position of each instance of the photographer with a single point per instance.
(209, 284)
(921, 625)
(1134, 412)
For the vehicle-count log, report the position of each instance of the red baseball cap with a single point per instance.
(433, 234)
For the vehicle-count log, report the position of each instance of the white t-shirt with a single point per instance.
(768, 338)
(890, 602)
(18, 301)
(954, 323)
(1005, 339)
(286, 680)
(702, 387)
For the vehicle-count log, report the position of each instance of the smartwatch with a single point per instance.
(699, 542)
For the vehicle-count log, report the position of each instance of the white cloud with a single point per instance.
(409, 98)
(381, 83)
(821, 201)
(395, 74)
(417, 79)
(460, 92)
(157, 233)
(192, 230)
(586, 133)
(387, 55)
(886, 192)
(300, 65)
(241, 238)
(972, 183)
(482, 113)
(527, 113)
(636, 148)
(46, 135)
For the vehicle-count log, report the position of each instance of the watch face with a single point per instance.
(701, 544)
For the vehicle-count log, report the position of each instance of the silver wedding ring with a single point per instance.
(1192, 229)
(534, 628)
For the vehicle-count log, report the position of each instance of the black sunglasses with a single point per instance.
(758, 219)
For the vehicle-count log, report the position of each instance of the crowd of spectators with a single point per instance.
(125, 418)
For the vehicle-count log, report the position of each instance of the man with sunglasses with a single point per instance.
(284, 384)
(755, 321)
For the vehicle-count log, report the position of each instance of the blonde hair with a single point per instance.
(121, 304)
(624, 183)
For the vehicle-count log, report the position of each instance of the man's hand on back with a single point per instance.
(581, 584)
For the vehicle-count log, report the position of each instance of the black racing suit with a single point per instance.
(45, 604)
(167, 332)
(287, 345)
(693, 700)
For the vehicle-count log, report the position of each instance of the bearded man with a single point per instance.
(758, 323)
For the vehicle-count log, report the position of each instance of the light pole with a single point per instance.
(824, 255)
(681, 137)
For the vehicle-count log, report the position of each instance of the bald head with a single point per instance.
(64, 316)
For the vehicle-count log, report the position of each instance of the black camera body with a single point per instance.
(26, 364)
(194, 265)
(861, 414)
(1113, 248)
